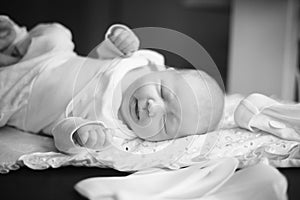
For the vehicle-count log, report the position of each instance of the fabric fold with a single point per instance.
(210, 180)
(196, 180)
(259, 112)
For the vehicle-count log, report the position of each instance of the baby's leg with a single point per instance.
(13, 41)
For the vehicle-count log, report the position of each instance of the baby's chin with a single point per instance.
(155, 138)
(147, 135)
(158, 137)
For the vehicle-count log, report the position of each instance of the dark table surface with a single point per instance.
(59, 183)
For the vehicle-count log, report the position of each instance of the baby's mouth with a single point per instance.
(137, 109)
(134, 109)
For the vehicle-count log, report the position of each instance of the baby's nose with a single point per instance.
(155, 107)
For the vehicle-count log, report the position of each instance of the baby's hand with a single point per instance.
(92, 136)
(125, 40)
(7, 32)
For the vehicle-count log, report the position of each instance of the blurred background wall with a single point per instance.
(264, 39)
(253, 42)
(205, 21)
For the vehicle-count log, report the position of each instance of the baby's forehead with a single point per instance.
(193, 80)
(187, 75)
(173, 75)
(181, 81)
(187, 81)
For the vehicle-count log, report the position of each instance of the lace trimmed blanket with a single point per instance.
(38, 152)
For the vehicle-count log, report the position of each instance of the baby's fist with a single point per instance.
(124, 39)
(92, 136)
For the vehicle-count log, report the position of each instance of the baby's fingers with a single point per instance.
(100, 138)
(119, 36)
(104, 138)
(80, 137)
(92, 139)
(84, 137)
(128, 47)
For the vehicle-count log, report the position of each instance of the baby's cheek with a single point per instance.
(146, 131)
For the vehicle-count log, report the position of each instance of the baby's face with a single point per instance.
(160, 106)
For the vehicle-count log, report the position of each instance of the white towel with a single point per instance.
(207, 180)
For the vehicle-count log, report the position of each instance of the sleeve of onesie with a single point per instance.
(259, 112)
(51, 37)
(64, 130)
(106, 49)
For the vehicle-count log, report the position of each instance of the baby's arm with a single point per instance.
(119, 41)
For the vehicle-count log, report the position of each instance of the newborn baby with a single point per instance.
(87, 102)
